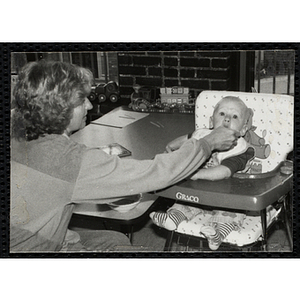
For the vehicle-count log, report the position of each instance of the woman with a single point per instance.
(50, 172)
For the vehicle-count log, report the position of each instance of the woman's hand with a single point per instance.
(222, 138)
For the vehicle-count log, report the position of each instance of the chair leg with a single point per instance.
(178, 244)
(169, 240)
(130, 233)
(287, 221)
(263, 216)
(201, 244)
(187, 245)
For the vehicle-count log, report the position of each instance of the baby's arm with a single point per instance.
(227, 167)
(214, 173)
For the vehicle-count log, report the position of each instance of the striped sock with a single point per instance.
(213, 236)
(222, 231)
(159, 218)
(169, 220)
(225, 229)
(176, 216)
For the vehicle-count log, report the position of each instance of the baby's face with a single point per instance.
(230, 114)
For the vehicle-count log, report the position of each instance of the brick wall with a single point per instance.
(197, 70)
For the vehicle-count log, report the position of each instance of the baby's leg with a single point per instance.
(189, 211)
(216, 235)
(170, 219)
(225, 229)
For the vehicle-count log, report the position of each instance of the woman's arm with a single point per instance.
(104, 176)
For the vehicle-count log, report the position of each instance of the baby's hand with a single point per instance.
(176, 144)
(195, 176)
(213, 161)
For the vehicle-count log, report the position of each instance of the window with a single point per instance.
(274, 71)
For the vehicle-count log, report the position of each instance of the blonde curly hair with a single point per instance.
(45, 96)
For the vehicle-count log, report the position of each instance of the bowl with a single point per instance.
(126, 203)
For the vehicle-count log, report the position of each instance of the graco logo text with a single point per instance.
(181, 196)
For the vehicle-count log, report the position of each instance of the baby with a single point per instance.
(230, 112)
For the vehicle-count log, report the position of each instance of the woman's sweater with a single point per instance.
(52, 173)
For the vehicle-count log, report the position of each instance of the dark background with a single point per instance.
(158, 68)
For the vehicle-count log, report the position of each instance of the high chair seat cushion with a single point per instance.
(249, 233)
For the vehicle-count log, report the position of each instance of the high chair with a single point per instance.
(263, 193)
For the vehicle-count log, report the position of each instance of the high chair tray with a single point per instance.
(236, 193)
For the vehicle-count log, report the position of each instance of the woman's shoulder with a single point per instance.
(64, 147)
(55, 155)
(58, 142)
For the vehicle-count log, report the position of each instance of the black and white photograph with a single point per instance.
(149, 150)
(152, 152)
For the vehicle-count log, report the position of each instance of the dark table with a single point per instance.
(144, 138)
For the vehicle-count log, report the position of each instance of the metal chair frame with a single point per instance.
(278, 184)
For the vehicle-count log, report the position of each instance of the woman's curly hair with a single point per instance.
(45, 96)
